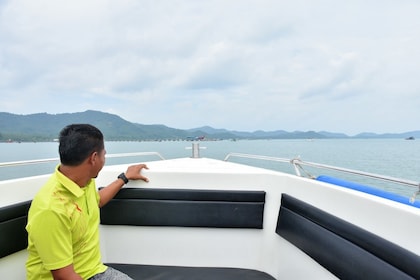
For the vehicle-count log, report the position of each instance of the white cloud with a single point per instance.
(245, 65)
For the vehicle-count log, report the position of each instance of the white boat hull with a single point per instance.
(258, 249)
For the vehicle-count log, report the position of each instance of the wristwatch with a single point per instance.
(123, 177)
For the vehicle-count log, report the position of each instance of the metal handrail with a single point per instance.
(256, 157)
(27, 162)
(37, 161)
(135, 155)
(298, 163)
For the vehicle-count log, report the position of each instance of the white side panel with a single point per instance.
(13, 266)
(19, 190)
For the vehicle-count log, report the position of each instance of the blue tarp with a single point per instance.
(368, 189)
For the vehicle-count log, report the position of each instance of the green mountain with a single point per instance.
(46, 127)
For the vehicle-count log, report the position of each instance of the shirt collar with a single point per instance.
(69, 184)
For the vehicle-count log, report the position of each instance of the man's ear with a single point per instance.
(93, 157)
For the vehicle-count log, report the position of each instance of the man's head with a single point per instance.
(78, 142)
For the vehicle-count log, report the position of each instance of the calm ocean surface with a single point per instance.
(392, 157)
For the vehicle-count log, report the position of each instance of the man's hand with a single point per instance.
(134, 172)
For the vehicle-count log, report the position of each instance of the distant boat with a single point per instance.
(410, 138)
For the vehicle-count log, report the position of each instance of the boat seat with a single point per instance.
(13, 220)
(157, 272)
(185, 208)
(347, 251)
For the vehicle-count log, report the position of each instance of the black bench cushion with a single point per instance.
(348, 251)
(186, 208)
(13, 236)
(149, 272)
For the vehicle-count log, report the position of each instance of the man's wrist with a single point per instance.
(123, 177)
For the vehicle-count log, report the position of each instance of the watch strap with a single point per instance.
(123, 177)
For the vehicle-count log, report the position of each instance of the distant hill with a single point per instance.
(259, 134)
(415, 134)
(46, 127)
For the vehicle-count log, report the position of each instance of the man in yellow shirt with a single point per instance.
(63, 221)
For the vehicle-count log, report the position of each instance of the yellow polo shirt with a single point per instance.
(63, 229)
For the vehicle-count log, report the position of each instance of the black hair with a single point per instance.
(78, 142)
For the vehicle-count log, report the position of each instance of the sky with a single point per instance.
(323, 65)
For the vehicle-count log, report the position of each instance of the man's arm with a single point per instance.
(133, 173)
(65, 273)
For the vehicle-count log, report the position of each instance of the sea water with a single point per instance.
(397, 158)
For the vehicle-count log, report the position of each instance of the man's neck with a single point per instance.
(78, 174)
